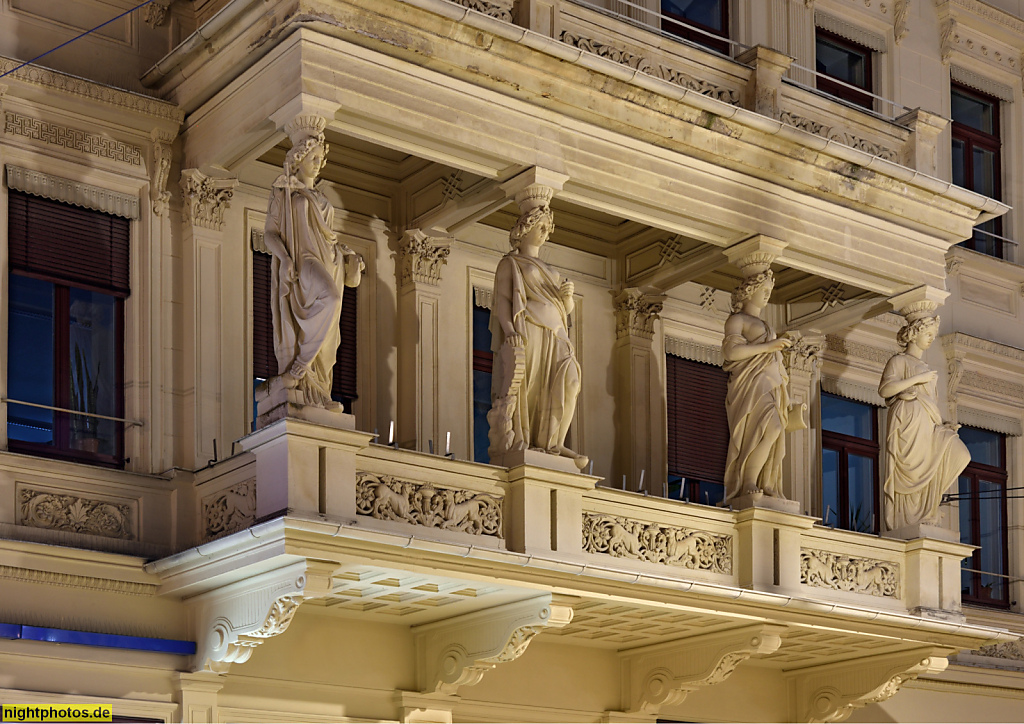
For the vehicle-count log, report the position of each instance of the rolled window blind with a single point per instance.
(698, 432)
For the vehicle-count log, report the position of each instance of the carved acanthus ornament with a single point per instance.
(949, 38)
(422, 258)
(638, 62)
(636, 313)
(387, 498)
(824, 569)
(953, 265)
(834, 133)
(160, 171)
(459, 651)
(1011, 650)
(664, 674)
(232, 621)
(500, 9)
(901, 10)
(156, 13)
(205, 198)
(230, 510)
(654, 543)
(805, 355)
(955, 358)
(42, 509)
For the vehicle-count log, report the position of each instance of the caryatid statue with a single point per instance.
(536, 375)
(309, 267)
(757, 399)
(925, 455)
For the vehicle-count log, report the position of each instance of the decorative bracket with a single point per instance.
(230, 622)
(459, 651)
(664, 674)
(422, 258)
(832, 692)
(161, 169)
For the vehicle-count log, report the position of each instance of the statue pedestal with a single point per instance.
(923, 530)
(768, 502)
(536, 459)
(275, 402)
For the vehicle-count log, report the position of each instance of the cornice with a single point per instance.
(71, 580)
(82, 88)
(984, 11)
(959, 340)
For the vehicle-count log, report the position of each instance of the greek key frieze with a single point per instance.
(57, 135)
(41, 509)
(655, 543)
(387, 498)
(838, 572)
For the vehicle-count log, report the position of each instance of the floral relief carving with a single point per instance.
(805, 354)
(835, 134)
(823, 569)
(156, 13)
(205, 198)
(1012, 650)
(638, 62)
(900, 13)
(160, 196)
(655, 543)
(230, 510)
(422, 258)
(499, 10)
(635, 313)
(40, 509)
(71, 138)
(387, 498)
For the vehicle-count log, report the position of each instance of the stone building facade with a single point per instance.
(164, 550)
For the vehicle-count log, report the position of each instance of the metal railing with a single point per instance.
(129, 423)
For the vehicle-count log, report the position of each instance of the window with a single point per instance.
(264, 359)
(843, 60)
(686, 18)
(976, 159)
(698, 431)
(483, 364)
(68, 282)
(983, 518)
(849, 464)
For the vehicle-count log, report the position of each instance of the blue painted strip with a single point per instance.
(110, 641)
(10, 631)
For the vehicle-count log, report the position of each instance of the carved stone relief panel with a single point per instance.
(385, 497)
(835, 133)
(675, 546)
(824, 569)
(1010, 650)
(500, 9)
(230, 510)
(57, 511)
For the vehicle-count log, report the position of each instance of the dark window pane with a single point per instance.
(710, 493)
(984, 162)
(482, 361)
(985, 446)
(959, 163)
(974, 112)
(847, 417)
(92, 347)
(843, 63)
(830, 486)
(481, 329)
(861, 471)
(705, 12)
(30, 359)
(966, 525)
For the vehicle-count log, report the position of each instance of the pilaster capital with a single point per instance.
(422, 257)
(832, 692)
(804, 355)
(206, 198)
(664, 674)
(635, 312)
(233, 620)
(459, 651)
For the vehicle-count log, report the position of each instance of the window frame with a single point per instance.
(834, 86)
(976, 472)
(972, 137)
(844, 445)
(682, 27)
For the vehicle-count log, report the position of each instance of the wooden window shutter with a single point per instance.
(698, 431)
(264, 361)
(345, 366)
(69, 245)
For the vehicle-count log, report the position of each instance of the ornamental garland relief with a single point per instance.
(40, 509)
(627, 538)
(230, 510)
(387, 498)
(822, 569)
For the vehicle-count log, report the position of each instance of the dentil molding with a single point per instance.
(230, 622)
(664, 674)
(459, 651)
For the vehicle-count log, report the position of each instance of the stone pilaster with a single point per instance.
(420, 261)
(205, 303)
(639, 400)
(802, 466)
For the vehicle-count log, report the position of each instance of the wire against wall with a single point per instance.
(77, 37)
